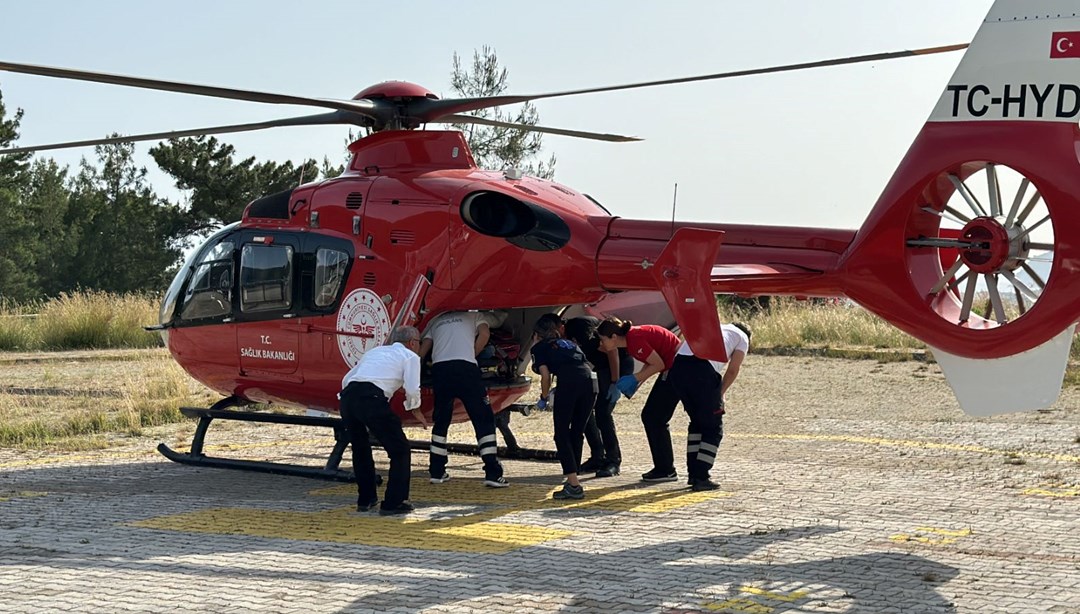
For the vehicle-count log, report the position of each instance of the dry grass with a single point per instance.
(91, 404)
(800, 324)
(81, 320)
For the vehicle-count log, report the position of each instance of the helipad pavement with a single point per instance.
(823, 521)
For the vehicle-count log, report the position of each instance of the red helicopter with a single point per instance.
(276, 307)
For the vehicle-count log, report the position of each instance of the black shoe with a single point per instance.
(569, 492)
(656, 475)
(499, 482)
(401, 508)
(699, 485)
(611, 470)
(591, 465)
(445, 477)
(366, 507)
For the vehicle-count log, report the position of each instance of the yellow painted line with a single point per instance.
(908, 443)
(21, 494)
(949, 536)
(462, 534)
(774, 595)
(950, 533)
(526, 497)
(1053, 492)
(476, 530)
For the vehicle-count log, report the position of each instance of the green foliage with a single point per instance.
(219, 186)
(17, 280)
(492, 147)
(124, 236)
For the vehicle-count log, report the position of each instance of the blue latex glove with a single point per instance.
(542, 403)
(613, 395)
(627, 385)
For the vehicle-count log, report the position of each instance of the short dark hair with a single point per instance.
(744, 328)
(547, 326)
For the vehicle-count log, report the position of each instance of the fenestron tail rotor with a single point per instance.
(996, 246)
(393, 105)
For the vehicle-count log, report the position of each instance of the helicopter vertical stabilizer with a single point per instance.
(683, 273)
(981, 211)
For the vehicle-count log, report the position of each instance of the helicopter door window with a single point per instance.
(266, 278)
(330, 266)
(209, 294)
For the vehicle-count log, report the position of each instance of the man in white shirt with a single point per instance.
(455, 338)
(701, 385)
(365, 406)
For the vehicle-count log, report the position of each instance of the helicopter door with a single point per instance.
(268, 333)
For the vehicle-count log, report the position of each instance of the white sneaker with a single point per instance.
(496, 483)
(445, 478)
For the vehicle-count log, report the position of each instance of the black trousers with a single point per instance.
(694, 382)
(698, 386)
(460, 379)
(573, 402)
(600, 428)
(364, 408)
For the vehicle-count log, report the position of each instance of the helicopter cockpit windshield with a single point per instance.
(212, 264)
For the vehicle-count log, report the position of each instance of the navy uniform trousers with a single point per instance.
(697, 385)
(460, 379)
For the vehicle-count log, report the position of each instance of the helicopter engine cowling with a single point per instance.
(524, 224)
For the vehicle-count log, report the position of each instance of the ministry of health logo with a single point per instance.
(363, 314)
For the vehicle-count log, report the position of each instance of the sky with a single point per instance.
(810, 148)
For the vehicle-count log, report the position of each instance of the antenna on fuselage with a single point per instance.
(674, 199)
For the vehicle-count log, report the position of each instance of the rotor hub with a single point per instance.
(991, 245)
(395, 90)
(996, 247)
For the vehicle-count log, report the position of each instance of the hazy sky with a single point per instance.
(809, 148)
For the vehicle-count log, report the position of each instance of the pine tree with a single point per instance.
(498, 148)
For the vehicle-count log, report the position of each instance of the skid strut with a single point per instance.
(329, 471)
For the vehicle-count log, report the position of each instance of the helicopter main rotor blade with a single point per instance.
(336, 117)
(470, 119)
(426, 110)
(363, 107)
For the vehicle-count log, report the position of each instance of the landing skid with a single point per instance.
(329, 471)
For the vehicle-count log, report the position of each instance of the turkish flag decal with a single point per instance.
(1065, 45)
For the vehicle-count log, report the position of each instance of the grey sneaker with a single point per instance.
(439, 480)
(569, 492)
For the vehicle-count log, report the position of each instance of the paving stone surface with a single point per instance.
(846, 486)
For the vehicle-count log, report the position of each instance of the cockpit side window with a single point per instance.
(266, 278)
(330, 268)
(209, 292)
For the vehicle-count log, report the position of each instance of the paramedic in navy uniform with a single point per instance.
(365, 406)
(455, 338)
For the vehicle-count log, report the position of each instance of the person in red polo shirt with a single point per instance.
(655, 346)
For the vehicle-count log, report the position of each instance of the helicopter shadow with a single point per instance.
(82, 509)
